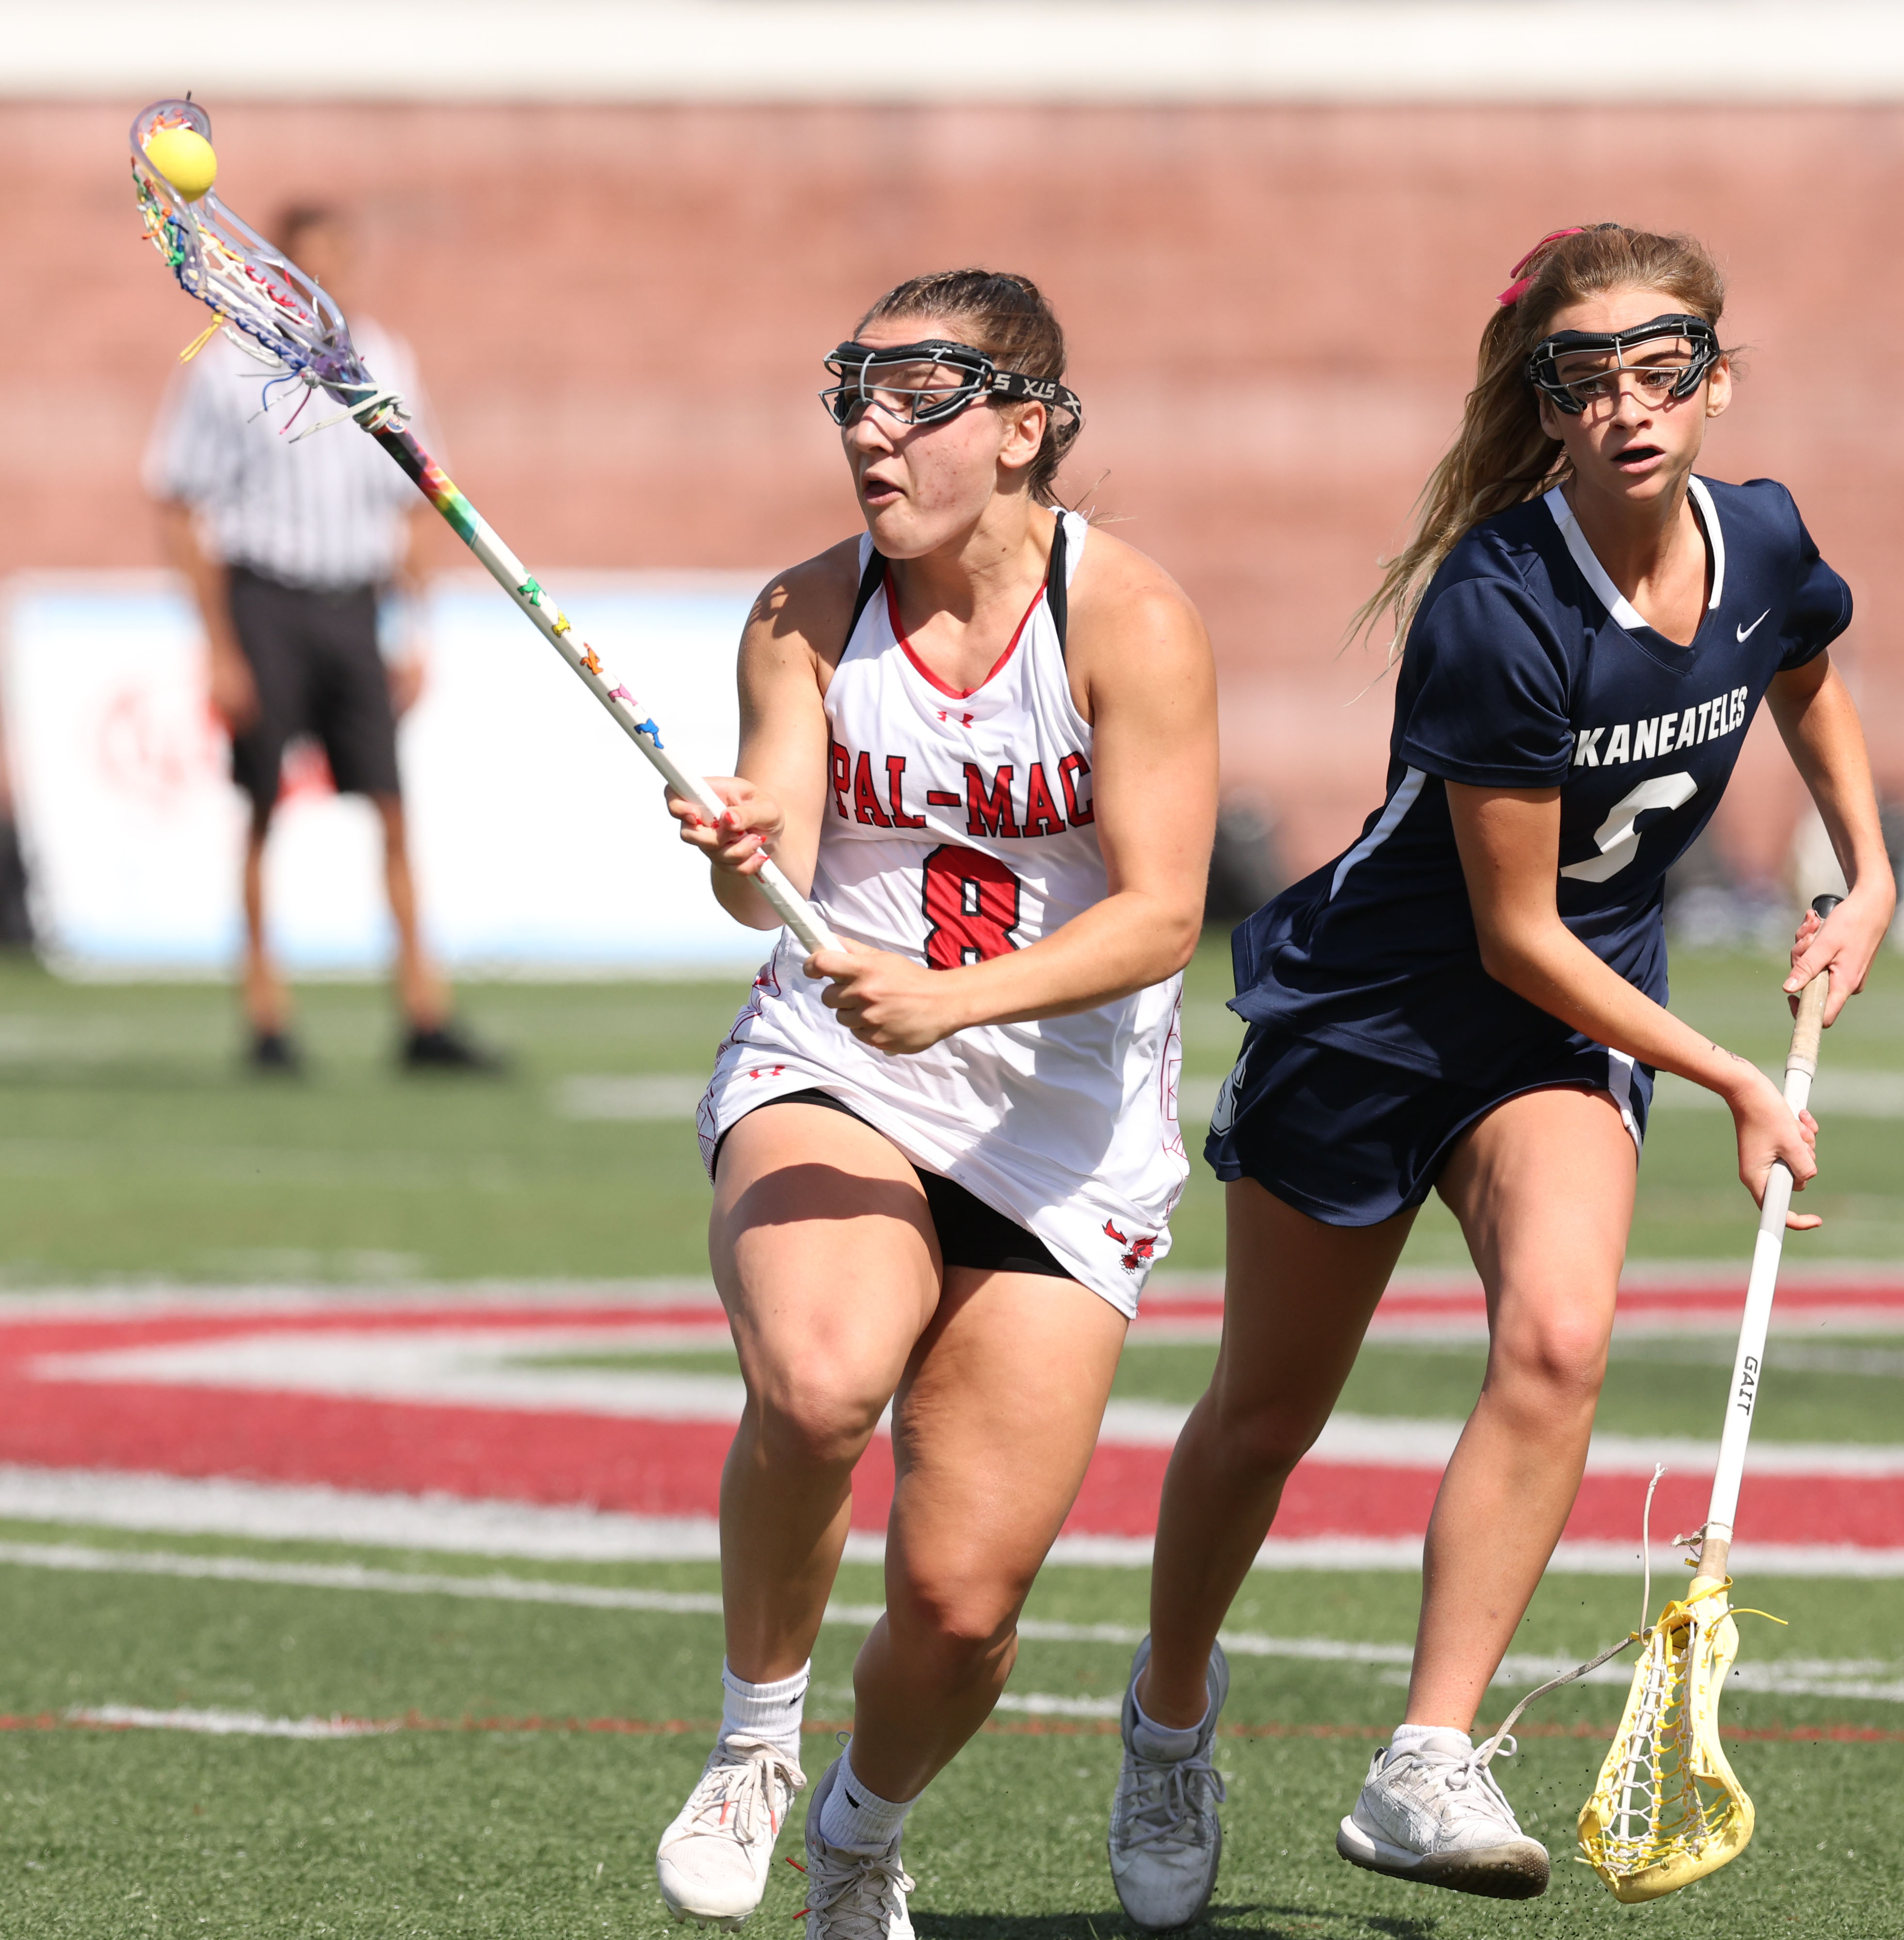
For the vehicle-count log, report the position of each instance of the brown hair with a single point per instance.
(1501, 455)
(1006, 317)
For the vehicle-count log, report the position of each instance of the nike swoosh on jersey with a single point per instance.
(1746, 633)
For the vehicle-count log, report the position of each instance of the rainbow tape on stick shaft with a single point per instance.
(270, 307)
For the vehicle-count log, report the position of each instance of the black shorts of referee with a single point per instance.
(313, 656)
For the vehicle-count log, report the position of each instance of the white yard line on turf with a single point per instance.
(1815, 1677)
(225, 1724)
(290, 1512)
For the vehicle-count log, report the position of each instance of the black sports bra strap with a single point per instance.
(871, 580)
(1057, 592)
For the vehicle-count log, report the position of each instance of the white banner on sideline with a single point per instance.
(536, 829)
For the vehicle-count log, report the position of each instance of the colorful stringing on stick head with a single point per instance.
(227, 264)
(1668, 1808)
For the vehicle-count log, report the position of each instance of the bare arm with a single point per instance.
(1509, 843)
(776, 800)
(234, 693)
(1815, 713)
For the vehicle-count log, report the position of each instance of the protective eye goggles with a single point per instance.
(926, 383)
(1567, 367)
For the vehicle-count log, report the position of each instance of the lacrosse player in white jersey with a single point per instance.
(944, 1154)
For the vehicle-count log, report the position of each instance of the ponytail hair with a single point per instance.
(1007, 318)
(1502, 456)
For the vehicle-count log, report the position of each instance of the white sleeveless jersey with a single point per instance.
(959, 826)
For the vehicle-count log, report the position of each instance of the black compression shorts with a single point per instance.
(314, 656)
(971, 1233)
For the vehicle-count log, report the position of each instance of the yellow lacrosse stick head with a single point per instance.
(1668, 1808)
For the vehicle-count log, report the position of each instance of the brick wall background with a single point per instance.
(1273, 311)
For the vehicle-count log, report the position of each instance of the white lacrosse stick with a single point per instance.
(254, 290)
(1668, 1807)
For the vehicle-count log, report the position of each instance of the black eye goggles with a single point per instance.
(863, 371)
(1570, 395)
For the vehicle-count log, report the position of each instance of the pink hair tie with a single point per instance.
(1521, 272)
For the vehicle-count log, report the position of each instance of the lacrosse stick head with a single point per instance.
(229, 266)
(1668, 1808)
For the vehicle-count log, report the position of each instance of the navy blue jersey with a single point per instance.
(1526, 668)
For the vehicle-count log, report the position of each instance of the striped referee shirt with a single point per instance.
(326, 511)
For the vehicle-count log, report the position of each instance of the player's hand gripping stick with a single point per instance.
(301, 334)
(1801, 1067)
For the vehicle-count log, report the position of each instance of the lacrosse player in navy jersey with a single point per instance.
(1470, 999)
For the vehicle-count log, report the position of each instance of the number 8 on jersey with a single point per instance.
(970, 902)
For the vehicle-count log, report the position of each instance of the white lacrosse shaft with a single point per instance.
(1748, 1365)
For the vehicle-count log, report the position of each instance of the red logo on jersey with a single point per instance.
(964, 720)
(1141, 1250)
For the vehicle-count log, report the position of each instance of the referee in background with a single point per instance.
(288, 546)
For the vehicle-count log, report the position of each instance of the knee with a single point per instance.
(961, 1624)
(389, 810)
(1263, 1439)
(1559, 1361)
(813, 1417)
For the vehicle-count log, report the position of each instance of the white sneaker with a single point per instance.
(852, 1895)
(1436, 1815)
(712, 1862)
(1166, 1840)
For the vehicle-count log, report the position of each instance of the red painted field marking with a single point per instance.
(670, 1469)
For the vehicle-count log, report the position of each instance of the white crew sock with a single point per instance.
(1441, 1740)
(856, 1819)
(769, 1711)
(1150, 1740)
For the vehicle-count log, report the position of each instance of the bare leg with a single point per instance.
(992, 1432)
(1298, 1301)
(267, 1005)
(420, 990)
(1543, 1188)
(825, 1255)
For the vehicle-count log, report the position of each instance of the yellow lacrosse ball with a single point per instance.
(184, 158)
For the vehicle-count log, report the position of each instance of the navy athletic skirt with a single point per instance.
(1352, 1142)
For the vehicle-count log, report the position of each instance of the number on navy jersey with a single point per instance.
(971, 900)
(1617, 837)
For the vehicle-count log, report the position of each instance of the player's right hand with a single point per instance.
(742, 839)
(234, 692)
(1767, 1131)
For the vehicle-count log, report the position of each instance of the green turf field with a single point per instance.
(133, 1149)
(133, 1146)
(526, 1830)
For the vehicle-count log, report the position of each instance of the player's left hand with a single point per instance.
(1844, 943)
(886, 1001)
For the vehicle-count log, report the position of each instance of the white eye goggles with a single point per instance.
(1559, 367)
(927, 382)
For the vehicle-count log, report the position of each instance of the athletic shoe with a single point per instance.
(449, 1047)
(712, 1862)
(275, 1055)
(852, 1895)
(1436, 1815)
(1166, 1840)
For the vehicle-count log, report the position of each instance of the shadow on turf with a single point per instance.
(1261, 1922)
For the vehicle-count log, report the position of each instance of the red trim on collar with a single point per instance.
(905, 646)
